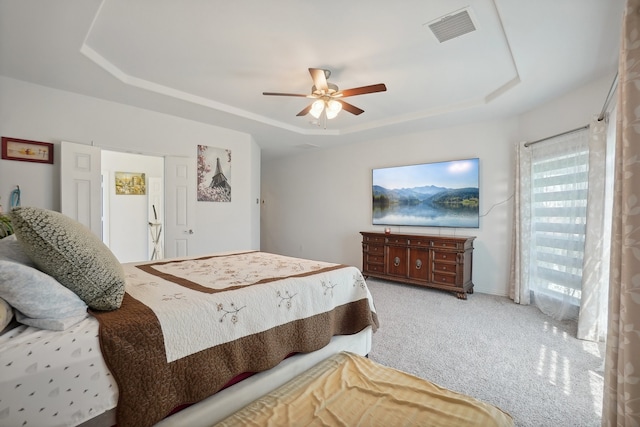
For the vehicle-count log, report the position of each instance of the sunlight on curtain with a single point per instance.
(559, 189)
(595, 275)
(562, 223)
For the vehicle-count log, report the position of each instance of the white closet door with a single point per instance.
(80, 184)
(180, 201)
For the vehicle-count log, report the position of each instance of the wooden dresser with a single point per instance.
(443, 262)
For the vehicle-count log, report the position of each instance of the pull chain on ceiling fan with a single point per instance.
(328, 98)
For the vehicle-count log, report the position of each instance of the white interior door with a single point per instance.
(80, 184)
(180, 201)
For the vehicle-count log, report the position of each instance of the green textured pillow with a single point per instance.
(70, 253)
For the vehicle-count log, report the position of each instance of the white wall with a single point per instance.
(38, 113)
(316, 203)
(231, 226)
(569, 111)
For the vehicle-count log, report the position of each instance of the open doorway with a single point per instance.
(129, 210)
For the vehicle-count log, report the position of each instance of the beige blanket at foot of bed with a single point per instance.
(350, 390)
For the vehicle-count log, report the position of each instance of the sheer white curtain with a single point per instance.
(557, 258)
(592, 322)
(558, 200)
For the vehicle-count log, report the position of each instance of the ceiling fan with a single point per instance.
(328, 98)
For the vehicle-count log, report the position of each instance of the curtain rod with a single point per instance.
(612, 89)
(526, 144)
(603, 113)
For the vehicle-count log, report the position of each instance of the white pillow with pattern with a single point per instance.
(37, 295)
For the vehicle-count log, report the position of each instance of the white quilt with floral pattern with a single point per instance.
(196, 309)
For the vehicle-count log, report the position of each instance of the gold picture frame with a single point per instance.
(130, 183)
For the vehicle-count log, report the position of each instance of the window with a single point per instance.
(558, 211)
(559, 215)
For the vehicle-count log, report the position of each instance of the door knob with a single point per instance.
(190, 231)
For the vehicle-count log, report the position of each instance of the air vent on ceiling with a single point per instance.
(451, 26)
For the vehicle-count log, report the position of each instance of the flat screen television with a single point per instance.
(439, 194)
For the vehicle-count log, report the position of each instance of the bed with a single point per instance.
(163, 336)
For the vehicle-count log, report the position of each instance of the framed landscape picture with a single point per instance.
(131, 183)
(27, 151)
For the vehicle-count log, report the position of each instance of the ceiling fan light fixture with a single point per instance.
(316, 108)
(325, 94)
(333, 108)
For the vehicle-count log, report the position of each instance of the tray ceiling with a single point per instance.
(211, 61)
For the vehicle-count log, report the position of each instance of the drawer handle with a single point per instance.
(444, 267)
(396, 261)
(418, 264)
(444, 257)
(444, 279)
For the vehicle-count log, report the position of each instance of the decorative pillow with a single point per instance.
(6, 314)
(69, 252)
(39, 296)
(11, 250)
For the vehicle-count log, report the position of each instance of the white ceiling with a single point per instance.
(211, 60)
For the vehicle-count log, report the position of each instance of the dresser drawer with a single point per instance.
(422, 243)
(444, 256)
(374, 250)
(397, 241)
(444, 268)
(374, 268)
(445, 279)
(447, 244)
(373, 239)
(375, 259)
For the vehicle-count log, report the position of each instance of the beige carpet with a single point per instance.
(509, 355)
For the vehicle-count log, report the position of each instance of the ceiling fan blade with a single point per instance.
(319, 79)
(380, 87)
(350, 108)
(305, 111)
(283, 94)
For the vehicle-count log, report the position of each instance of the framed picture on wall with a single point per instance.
(131, 183)
(214, 174)
(27, 151)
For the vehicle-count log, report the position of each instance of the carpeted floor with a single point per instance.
(512, 356)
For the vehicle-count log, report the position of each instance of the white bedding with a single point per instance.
(269, 290)
(59, 378)
(47, 376)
